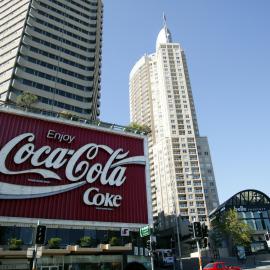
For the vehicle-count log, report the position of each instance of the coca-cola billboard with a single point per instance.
(63, 171)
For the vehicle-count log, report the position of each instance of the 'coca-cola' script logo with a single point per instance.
(79, 169)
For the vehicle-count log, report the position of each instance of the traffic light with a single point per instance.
(204, 230)
(148, 245)
(155, 227)
(205, 242)
(200, 243)
(190, 229)
(153, 245)
(40, 234)
(197, 229)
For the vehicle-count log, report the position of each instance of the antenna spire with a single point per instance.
(164, 20)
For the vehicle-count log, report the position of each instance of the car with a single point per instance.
(220, 266)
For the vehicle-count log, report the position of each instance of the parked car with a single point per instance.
(220, 266)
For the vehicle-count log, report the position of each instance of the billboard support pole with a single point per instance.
(35, 254)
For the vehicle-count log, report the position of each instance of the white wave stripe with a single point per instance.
(12, 191)
(131, 160)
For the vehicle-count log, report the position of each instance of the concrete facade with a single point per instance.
(52, 48)
(182, 176)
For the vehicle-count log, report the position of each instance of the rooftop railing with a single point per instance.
(70, 117)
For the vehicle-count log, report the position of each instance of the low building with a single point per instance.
(253, 207)
(76, 178)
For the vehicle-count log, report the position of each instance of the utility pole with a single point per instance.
(35, 253)
(199, 254)
(152, 251)
(39, 240)
(199, 233)
(178, 243)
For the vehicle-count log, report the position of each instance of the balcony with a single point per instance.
(181, 190)
(181, 184)
(197, 183)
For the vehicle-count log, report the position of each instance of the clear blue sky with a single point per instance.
(227, 44)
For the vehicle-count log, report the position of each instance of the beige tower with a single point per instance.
(182, 176)
(52, 48)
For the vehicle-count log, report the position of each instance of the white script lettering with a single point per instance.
(99, 199)
(60, 137)
(80, 165)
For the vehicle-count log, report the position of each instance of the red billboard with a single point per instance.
(50, 169)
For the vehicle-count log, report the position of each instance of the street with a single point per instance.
(192, 264)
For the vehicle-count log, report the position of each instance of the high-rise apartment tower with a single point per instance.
(182, 177)
(52, 48)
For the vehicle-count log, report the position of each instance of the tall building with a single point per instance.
(182, 177)
(52, 48)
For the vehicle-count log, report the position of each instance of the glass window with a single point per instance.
(249, 215)
(251, 223)
(265, 214)
(259, 224)
(267, 224)
(26, 235)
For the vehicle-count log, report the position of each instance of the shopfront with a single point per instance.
(252, 207)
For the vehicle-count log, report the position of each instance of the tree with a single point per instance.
(54, 242)
(26, 99)
(66, 115)
(135, 127)
(15, 244)
(230, 225)
(114, 241)
(86, 241)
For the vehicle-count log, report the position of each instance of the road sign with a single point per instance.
(124, 231)
(145, 231)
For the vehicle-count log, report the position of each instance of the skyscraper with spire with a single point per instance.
(182, 176)
(52, 49)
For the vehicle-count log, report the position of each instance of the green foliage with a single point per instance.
(86, 241)
(114, 241)
(54, 242)
(135, 127)
(15, 244)
(230, 224)
(26, 99)
(66, 115)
